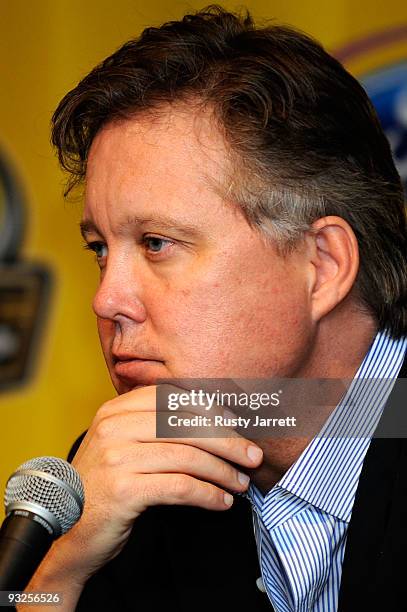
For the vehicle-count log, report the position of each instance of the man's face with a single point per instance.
(187, 287)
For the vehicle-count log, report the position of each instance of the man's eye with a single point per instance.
(154, 244)
(99, 248)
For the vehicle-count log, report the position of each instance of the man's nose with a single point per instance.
(119, 293)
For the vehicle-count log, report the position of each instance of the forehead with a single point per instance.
(172, 156)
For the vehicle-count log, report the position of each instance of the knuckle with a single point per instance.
(182, 486)
(104, 428)
(216, 495)
(111, 457)
(230, 445)
(213, 495)
(105, 409)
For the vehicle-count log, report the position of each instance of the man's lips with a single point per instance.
(137, 371)
(122, 355)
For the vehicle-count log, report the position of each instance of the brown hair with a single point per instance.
(303, 137)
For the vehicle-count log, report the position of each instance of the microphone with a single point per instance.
(44, 498)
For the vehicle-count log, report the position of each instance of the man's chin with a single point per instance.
(124, 387)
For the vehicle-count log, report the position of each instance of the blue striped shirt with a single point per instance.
(301, 523)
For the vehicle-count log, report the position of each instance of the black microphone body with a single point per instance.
(24, 542)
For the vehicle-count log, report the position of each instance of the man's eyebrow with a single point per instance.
(160, 222)
(88, 227)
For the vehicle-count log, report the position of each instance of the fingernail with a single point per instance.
(254, 453)
(244, 479)
(228, 499)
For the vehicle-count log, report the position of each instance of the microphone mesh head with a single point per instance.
(52, 496)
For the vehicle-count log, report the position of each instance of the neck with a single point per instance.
(340, 344)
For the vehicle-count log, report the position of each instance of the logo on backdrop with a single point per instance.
(386, 85)
(24, 287)
(388, 91)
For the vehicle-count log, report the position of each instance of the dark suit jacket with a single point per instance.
(180, 558)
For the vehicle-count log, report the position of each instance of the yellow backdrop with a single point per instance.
(46, 46)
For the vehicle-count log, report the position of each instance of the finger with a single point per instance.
(140, 399)
(175, 458)
(157, 398)
(179, 489)
(141, 427)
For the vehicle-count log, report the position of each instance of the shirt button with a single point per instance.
(260, 584)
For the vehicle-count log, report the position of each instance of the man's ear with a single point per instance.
(335, 261)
